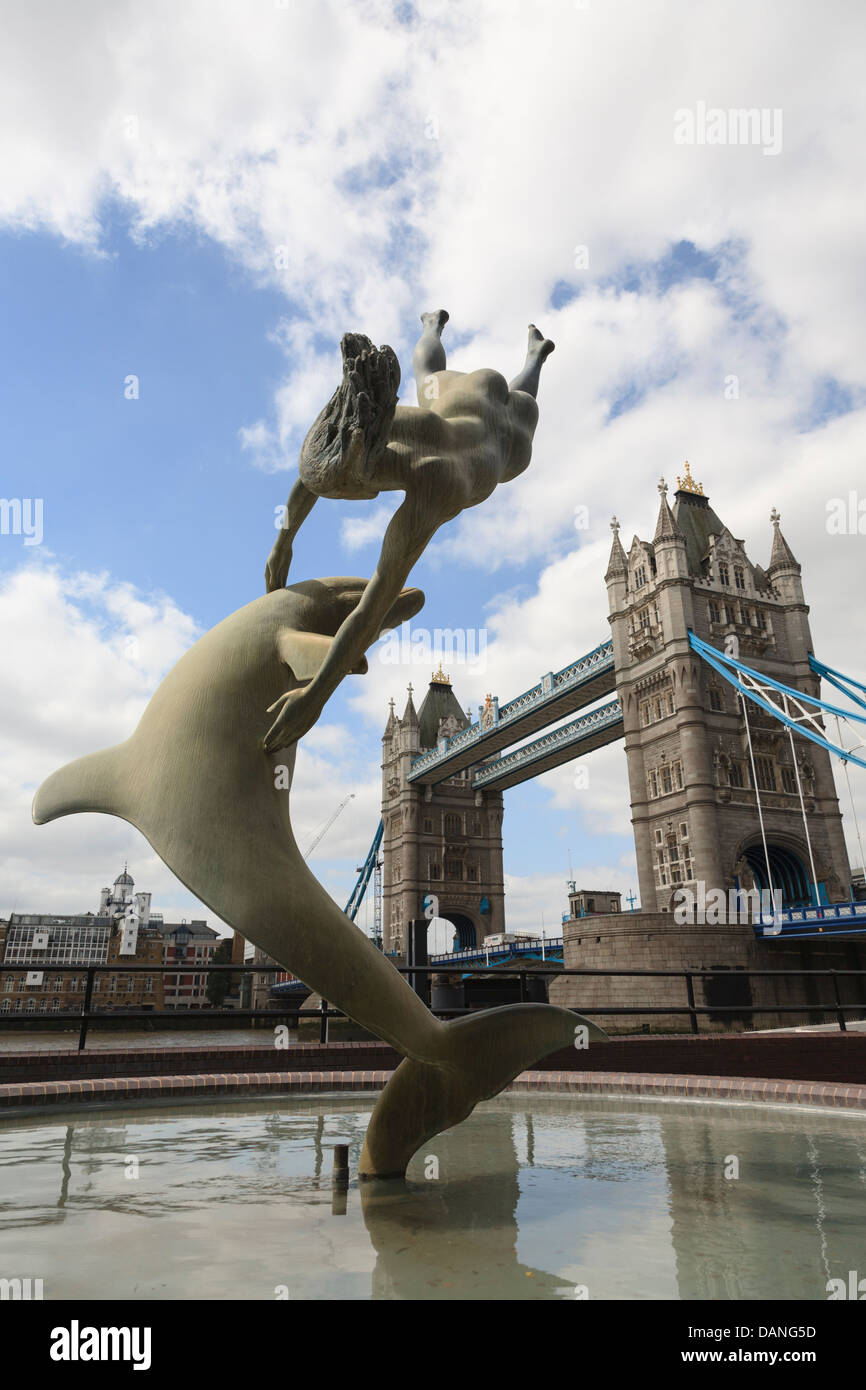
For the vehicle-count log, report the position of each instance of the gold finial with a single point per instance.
(688, 484)
(439, 677)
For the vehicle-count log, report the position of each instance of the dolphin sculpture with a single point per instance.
(195, 780)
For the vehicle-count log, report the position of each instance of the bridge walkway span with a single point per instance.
(557, 694)
(594, 730)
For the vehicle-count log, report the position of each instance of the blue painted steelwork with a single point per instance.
(288, 988)
(722, 663)
(802, 921)
(356, 897)
(547, 690)
(836, 678)
(606, 716)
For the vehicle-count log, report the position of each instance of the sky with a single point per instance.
(198, 200)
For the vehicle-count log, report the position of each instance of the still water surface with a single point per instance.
(536, 1197)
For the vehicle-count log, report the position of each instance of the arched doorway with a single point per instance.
(787, 871)
(465, 936)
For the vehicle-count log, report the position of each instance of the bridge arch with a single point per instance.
(789, 867)
(465, 929)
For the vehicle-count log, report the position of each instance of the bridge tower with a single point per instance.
(444, 839)
(691, 780)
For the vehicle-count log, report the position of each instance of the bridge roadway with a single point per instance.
(557, 694)
(550, 948)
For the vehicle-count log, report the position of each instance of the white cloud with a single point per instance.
(359, 531)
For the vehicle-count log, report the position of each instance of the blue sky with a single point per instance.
(213, 229)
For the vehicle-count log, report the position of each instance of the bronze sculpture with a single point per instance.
(206, 783)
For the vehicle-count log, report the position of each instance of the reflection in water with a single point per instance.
(612, 1197)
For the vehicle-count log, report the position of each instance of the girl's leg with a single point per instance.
(538, 348)
(429, 354)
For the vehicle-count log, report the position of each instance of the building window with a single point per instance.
(716, 699)
(739, 577)
(674, 859)
(652, 782)
(5, 1006)
(148, 984)
(112, 984)
(657, 707)
(434, 871)
(30, 1006)
(58, 982)
(454, 868)
(453, 825)
(428, 827)
(55, 1006)
(471, 872)
(714, 611)
(640, 577)
(724, 573)
(665, 778)
(789, 780)
(9, 982)
(766, 772)
(735, 773)
(760, 618)
(130, 984)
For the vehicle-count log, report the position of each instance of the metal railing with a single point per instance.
(419, 979)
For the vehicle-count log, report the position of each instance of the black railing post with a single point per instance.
(523, 986)
(690, 988)
(85, 1008)
(840, 1012)
(416, 954)
(323, 1020)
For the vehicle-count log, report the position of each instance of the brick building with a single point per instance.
(121, 932)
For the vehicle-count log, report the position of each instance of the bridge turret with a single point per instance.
(669, 543)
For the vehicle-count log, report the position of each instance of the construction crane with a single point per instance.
(326, 827)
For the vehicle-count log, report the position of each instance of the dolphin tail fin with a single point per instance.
(484, 1052)
(94, 783)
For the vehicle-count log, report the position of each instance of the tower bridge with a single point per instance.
(716, 796)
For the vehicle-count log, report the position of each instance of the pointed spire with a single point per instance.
(617, 564)
(392, 720)
(781, 556)
(410, 715)
(666, 526)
